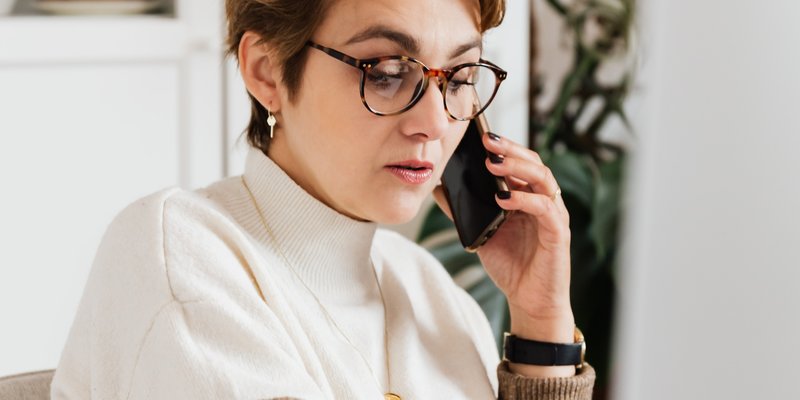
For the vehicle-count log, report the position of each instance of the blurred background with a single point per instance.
(671, 126)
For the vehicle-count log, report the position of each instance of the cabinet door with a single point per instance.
(77, 144)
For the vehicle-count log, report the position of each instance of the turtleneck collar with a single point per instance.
(330, 251)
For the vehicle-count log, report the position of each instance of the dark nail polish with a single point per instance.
(504, 195)
(494, 137)
(495, 158)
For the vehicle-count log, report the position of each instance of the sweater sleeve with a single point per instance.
(170, 311)
(200, 350)
(518, 387)
(216, 337)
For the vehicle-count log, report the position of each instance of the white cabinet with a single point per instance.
(95, 112)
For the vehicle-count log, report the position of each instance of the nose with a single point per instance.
(427, 119)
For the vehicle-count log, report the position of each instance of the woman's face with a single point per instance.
(348, 157)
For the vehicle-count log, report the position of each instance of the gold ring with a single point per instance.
(556, 194)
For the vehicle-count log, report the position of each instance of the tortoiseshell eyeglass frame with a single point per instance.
(446, 74)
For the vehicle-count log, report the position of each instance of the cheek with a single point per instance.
(330, 90)
(342, 135)
(333, 112)
(337, 85)
(452, 140)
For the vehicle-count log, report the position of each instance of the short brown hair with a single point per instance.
(286, 25)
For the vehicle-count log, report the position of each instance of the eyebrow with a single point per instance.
(405, 41)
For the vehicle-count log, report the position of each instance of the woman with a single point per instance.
(277, 283)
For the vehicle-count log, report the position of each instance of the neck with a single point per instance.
(312, 236)
(300, 173)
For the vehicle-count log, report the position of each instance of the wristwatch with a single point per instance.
(525, 351)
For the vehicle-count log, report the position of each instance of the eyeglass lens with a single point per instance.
(391, 85)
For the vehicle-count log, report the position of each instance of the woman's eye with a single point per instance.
(387, 74)
(384, 82)
(382, 78)
(455, 86)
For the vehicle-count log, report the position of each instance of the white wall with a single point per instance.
(710, 296)
(508, 46)
(95, 112)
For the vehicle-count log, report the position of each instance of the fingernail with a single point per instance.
(495, 158)
(504, 195)
(494, 137)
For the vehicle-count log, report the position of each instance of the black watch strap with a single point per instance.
(525, 351)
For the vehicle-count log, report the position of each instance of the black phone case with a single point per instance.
(470, 189)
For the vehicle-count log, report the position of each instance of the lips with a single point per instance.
(413, 172)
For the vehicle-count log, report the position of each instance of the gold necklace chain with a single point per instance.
(388, 395)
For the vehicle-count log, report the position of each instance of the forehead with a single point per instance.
(437, 26)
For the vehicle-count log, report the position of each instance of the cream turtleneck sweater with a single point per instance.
(189, 297)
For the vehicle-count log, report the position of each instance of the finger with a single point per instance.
(553, 229)
(512, 182)
(441, 201)
(538, 176)
(507, 147)
(517, 184)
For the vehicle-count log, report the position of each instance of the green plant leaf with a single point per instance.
(573, 175)
(453, 256)
(439, 236)
(557, 6)
(606, 206)
(435, 221)
(572, 83)
(494, 305)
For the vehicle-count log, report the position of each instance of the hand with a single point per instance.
(528, 257)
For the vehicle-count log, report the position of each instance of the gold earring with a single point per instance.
(271, 121)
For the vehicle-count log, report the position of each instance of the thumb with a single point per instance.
(441, 201)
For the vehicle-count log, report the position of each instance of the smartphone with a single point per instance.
(470, 188)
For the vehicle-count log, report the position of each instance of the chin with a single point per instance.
(398, 210)
(396, 219)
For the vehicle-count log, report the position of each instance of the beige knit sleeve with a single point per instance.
(518, 387)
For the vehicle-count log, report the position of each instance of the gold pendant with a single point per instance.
(391, 396)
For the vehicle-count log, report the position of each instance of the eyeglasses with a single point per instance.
(391, 85)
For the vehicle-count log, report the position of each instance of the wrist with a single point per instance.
(544, 359)
(557, 327)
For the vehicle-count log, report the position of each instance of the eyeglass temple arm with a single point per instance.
(501, 73)
(336, 54)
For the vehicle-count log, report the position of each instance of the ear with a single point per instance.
(259, 73)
